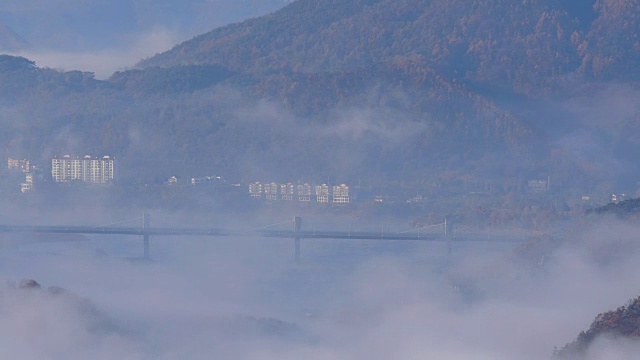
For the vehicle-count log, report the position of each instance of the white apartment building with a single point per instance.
(87, 169)
(271, 191)
(341, 194)
(255, 190)
(322, 193)
(286, 191)
(336, 194)
(304, 193)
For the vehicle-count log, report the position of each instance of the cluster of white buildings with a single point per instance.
(86, 169)
(337, 194)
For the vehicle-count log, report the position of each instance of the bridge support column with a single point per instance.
(146, 221)
(296, 231)
(448, 233)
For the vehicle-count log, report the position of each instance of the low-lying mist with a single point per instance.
(246, 299)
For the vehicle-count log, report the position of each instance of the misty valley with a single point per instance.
(319, 179)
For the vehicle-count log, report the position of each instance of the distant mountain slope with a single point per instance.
(611, 48)
(265, 42)
(204, 119)
(522, 45)
(10, 41)
(482, 76)
(439, 92)
(319, 55)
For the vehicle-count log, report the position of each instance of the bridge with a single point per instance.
(442, 232)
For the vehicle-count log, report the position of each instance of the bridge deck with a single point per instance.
(288, 234)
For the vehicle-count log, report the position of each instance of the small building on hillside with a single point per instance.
(538, 186)
(208, 180)
(616, 198)
(173, 181)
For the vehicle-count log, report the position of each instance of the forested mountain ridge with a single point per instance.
(429, 90)
(523, 45)
(460, 66)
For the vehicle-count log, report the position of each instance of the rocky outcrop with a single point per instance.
(622, 323)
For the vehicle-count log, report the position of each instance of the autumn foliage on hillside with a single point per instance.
(393, 89)
(523, 45)
(622, 322)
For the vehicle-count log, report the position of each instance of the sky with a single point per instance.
(103, 36)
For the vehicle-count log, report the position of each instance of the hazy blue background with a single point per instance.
(107, 35)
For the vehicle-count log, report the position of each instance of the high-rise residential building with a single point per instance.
(87, 169)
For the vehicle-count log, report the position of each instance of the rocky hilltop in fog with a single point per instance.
(617, 325)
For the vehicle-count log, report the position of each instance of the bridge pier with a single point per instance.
(146, 222)
(448, 233)
(296, 232)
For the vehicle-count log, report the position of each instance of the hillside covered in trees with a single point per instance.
(523, 46)
(623, 209)
(434, 92)
(620, 324)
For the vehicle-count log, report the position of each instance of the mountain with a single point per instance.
(10, 41)
(458, 66)
(481, 95)
(524, 45)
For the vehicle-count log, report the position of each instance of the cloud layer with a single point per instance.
(245, 299)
